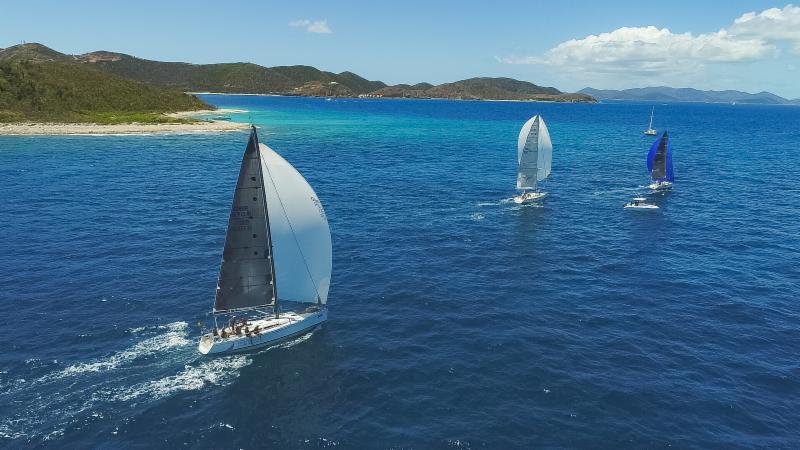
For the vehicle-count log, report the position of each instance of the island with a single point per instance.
(249, 78)
(43, 91)
(40, 94)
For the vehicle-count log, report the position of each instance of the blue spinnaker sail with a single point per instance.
(659, 160)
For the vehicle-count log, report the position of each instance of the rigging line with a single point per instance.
(294, 235)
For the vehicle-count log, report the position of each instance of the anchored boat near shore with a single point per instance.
(276, 264)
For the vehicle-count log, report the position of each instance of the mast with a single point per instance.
(269, 230)
(651, 118)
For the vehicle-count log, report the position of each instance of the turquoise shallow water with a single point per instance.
(457, 319)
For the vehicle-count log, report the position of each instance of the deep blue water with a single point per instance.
(457, 319)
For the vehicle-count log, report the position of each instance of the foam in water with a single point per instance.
(60, 405)
(175, 337)
(218, 371)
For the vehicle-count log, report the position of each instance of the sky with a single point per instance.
(751, 46)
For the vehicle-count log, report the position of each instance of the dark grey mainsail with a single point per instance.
(659, 161)
(246, 275)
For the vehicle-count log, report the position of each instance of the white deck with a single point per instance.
(270, 330)
(640, 206)
(529, 197)
(660, 185)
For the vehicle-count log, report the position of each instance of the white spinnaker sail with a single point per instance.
(301, 238)
(534, 153)
(545, 152)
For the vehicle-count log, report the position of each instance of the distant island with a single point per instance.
(248, 78)
(674, 95)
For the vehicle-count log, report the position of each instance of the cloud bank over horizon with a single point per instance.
(657, 55)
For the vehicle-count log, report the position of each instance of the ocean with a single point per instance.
(458, 319)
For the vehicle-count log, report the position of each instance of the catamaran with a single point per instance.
(659, 163)
(276, 260)
(534, 157)
(650, 131)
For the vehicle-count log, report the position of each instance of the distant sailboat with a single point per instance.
(659, 163)
(535, 157)
(277, 249)
(650, 131)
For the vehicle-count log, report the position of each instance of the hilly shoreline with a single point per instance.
(682, 95)
(249, 78)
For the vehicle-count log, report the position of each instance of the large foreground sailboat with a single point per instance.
(659, 163)
(276, 260)
(535, 157)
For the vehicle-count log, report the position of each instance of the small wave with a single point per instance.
(617, 191)
(218, 371)
(297, 340)
(477, 216)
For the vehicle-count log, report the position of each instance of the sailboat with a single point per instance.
(639, 203)
(659, 163)
(535, 157)
(650, 131)
(276, 264)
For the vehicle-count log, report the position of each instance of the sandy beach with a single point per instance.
(89, 129)
(32, 129)
(202, 113)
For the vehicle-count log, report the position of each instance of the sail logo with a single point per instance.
(317, 203)
(240, 219)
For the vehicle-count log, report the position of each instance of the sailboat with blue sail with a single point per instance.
(659, 164)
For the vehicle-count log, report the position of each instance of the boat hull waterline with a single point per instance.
(641, 207)
(660, 185)
(529, 197)
(289, 324)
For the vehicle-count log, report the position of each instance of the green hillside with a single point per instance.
(68, 92)
(241, 78)
(65, 83)
(483, 89)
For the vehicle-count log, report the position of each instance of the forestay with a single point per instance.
(246, 275)
(534, 153)
(301, 238)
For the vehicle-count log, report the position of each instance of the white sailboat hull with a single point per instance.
(641, 206)
(650, 132)
(660, 185)
(529, 197)
(289, 324)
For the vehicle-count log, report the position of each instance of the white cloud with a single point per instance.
(312, 26)
(772, 24)
(645, 51)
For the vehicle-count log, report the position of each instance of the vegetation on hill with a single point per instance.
(31, 52)
(114, 69)
(67, 92)
(236, 78)
(484, 89)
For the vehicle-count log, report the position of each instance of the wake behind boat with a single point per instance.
(659, 164)
(277, 252)
(534, 158)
